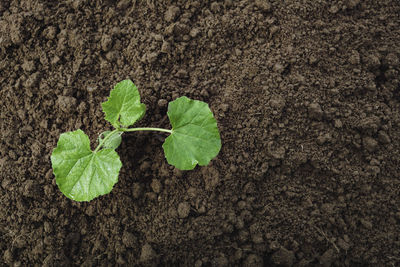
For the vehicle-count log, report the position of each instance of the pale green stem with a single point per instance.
(130, 130)
(105, 139)
(145, 129)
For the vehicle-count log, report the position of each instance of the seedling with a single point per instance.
(82, 174)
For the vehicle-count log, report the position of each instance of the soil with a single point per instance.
(307, 98)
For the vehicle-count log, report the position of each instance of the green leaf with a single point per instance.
(113, 141)
(195, 137)
(81, 174)
(123, 107)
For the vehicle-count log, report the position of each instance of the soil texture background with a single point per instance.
(307, 98)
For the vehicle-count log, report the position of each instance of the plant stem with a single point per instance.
(129, 130)
(145, 129)
(105, 139)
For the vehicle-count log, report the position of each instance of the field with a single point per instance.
(306, 94)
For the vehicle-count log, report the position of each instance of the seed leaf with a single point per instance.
(113, 141)
(195, 137)
(123, 107)
(81, 174)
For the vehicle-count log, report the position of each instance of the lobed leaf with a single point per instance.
(195, 137)
(123, 107)
(81, 174)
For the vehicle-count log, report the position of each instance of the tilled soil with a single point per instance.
(307, 98)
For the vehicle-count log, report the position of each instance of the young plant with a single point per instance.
(82, 174)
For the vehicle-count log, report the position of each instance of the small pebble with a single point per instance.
(165, 47)
(194, 32)
(128, 239)
(33, 80)
(334, 9)
(370, 144)
(25, 131)
(50, 32)
(123, 4)
(172, 13)
(156, 186)
(283, 257)
(322, 139)
(352, 3)
(278, 67)
(183, 209)
(392, 60)
(277, 102)
(106, 43)
(366, 224)
(215, 7)
(253, 261)
(136, 190)
(312, 59)
(28, 66)
(315, 111)
(257, 238)
(338, 123)
(263, 5)
(8, 256)
(221, 261)
(162, 103)
(67, 104)
(327, 258)
(373, 62)
(354, 59)
(383, 137)
(343, 244)
(147, 253)
(152, 57)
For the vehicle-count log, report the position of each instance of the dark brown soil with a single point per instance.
(307, 98)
